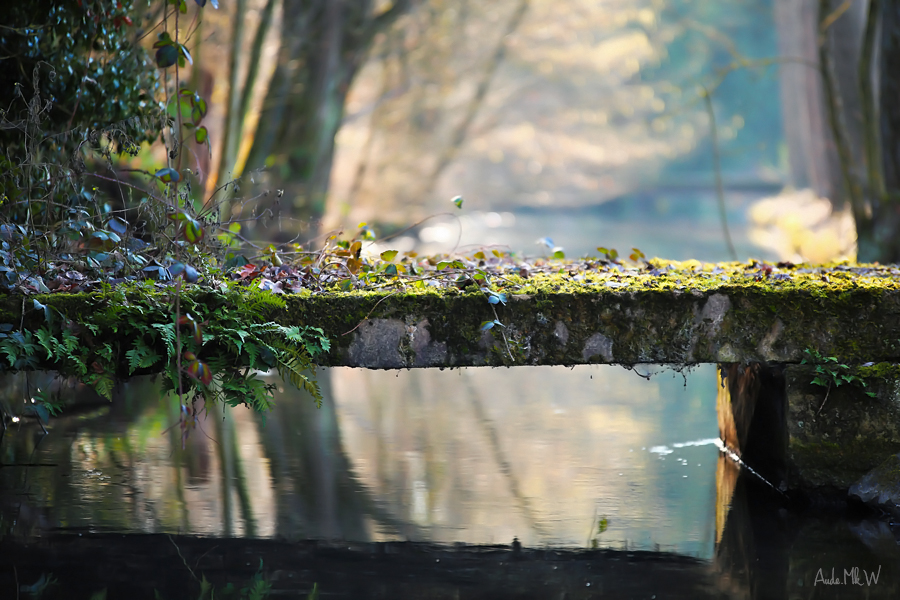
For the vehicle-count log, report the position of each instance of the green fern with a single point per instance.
(47, 342)
(71, 342)
(260, 302)
(141, 357)
(20, 349)
(103, 383)
(292, 368)
(234, 321)
(252, 350)
(167, 330)
(312, 338)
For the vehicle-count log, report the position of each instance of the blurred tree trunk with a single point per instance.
(323, 45)
(812, 157)
(878, 228)
(858, 46)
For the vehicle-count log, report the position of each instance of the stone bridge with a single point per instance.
(799, 435)
(757, 322)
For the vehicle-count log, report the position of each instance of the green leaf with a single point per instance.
(389, 255)
(201, 107)
(602, 525)
(168, 175)
(166, 56)
(201, 135)
(163, 39)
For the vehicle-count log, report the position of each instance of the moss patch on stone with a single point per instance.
(590, 312)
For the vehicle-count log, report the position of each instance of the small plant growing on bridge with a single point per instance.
(830, 372)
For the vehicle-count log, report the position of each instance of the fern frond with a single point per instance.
(167, 330)
(295, 368)
(260, 302)
(141, 356)
(103, 384)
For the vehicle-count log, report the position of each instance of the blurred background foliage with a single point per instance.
(380, 111)
(584, 103)
(527, 105)
(81, 59)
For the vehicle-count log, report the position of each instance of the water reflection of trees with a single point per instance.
(122, 467)
(476, 456)
(486, 455)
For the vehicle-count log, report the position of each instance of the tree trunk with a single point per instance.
(878, 236)
(811, 152)
(324, 42)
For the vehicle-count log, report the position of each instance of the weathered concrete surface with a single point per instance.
(834, 443)
(722, 325)
(580, 324)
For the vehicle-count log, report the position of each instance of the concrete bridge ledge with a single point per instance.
(596, 327)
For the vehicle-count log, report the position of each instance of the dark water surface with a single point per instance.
(415, 484)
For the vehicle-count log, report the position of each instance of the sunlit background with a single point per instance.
(583, 121)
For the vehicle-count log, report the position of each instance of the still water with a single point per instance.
(610, 482)
(479, 456)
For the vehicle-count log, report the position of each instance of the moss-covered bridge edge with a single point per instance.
(559, 322)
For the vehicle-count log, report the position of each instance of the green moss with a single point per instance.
(884, 370)
(838, 465)
(649, 314)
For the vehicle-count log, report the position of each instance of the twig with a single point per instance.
(186, 565)
(370, 312)
(827, 391)
(717, 168)
(830, 19)
(632, 368)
